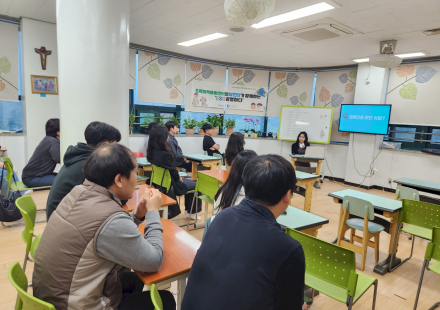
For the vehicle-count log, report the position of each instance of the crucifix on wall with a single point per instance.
(43, 55)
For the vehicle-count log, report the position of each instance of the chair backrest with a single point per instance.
(328, 262)
(403, 192)
(138, 154)
(207, 184)
(419, 213)
(433, 247)
(35, 244)
(358, 207)
(155, 297)
(10, 172)
(220, 157)
(18, 279)
(158, 174)
(28, 210)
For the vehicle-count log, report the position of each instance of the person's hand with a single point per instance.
(305, 307)
(154, 200)
(141, 208)
(212, 148)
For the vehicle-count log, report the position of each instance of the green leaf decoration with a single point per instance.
(282, 91)
(353, 74)
(5, 65)
(177, 80)
(154, 71)
(199, 79)
(303, 96)
(240, 83)
(409, 91)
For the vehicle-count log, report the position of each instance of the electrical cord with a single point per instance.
(341, 184)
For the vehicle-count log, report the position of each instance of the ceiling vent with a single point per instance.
(320, 30)
(431, 32)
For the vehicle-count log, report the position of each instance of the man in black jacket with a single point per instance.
(180, 161)
(246, 261)
(71, 174)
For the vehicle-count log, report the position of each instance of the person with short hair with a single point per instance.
(39, 170)
(71, 173)
(233, 148)
(90, 237)
(180, 161)
(246, 261)
(147, 132)
(209, 144)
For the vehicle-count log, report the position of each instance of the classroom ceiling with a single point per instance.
(163, 23)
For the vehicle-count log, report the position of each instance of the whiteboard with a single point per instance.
(316, 121)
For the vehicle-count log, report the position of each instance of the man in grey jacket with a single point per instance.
(90, 237)
(175, 148)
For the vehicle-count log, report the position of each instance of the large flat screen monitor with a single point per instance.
(365, 118)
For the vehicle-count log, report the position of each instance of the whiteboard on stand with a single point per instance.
(316, 121)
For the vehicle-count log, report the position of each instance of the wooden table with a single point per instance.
(179, 251)
(307, 159)
(427, 187)
(307, 180)
(138, 193)
(220, 174)
(389, 208)
(303, 221)
(143, 165)
(207, 161)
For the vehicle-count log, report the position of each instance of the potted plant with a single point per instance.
(199, 125)
(190, 125)
(216, 121)
(229, 125)
(131, 122)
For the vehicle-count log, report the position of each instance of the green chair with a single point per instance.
(420, 218)
(25, 301)
(331, 270)
(432, 252)
(207, 186)
(161, 177)
(403, 192)
(155, 297)
(35, 244)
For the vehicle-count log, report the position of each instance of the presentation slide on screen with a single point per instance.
(372, 119)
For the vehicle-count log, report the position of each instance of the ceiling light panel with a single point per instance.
(408, 55)
(203, 39)
(300, 13)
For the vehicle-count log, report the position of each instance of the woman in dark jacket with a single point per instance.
(299, 147)
(159, 154)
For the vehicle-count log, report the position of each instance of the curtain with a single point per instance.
(413, 92)
(334, 88)
(161, 79)
(289, 88)
(132, 69)
(8, 62)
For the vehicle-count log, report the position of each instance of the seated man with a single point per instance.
(90, 237)
(209, 144)
(71, 174)
(175, 148)
(246, 261)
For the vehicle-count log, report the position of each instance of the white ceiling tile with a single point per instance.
(4, 6)
(47, 12)
(26, 8)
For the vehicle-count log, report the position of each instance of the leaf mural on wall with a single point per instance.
(292, 78)
(343, 78)
(282, 91)
(409, 91)
(280, 75)
(324, 94)
(349, 87)
(5, 65)
(424, 74)
(237, 72)
(154, 71)
(163, 60)
(195, 66)
(303, 97)
(149, 54)
(405, 70)
(177, 80)
(353, 74)
(337, 100)
(2, 85)
(248, 76)
(240, 83)
(174, 94)
(207, 71)
(294, 100)
(168, 83)
(199, 79)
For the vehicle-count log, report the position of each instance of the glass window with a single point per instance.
(247, 122)
(195, 115)
(10, 116)
(273, 124)
(404, 135)
(434, 137)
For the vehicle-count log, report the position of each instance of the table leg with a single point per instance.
(313, 231)
(164, 212)
(140, 171)
(308, 195)
(181, 287)
(194, 170)
(293, 162)
(318, 168)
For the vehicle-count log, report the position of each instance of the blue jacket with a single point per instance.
(245, 262)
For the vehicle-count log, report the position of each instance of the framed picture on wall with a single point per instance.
(44, 84)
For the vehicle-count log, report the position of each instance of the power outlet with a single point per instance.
(390, 181)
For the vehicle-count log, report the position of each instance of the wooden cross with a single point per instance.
(43, 56)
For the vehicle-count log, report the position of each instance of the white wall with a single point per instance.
(36, 109)
(15, 146)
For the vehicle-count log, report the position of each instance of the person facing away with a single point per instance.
(71, 173)
(299, 147)
(90, 237)
(39, 170)
(246, 261)
(233, 148)
(150, 126)
(180, 161)
(209, 144)
(160, 154)
(231, 193)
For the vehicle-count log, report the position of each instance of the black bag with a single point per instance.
(8, 210)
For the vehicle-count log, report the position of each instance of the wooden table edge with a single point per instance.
(141, 274)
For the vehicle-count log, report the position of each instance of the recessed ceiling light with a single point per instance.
(400, 55)
(203, 39)
(282, 18)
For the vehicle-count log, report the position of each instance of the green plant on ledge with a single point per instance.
(215, 120)
(190, 123)
(131, 120)
(229, 123)
(175, 119)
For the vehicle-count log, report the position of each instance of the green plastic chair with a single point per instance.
(160, 176)
(403, 192)
(432, 252)
(420, 218)
(25, 301)
(331, 270)
(155, 297)
(208, 187)
(35, 244)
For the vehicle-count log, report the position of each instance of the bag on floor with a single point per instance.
(8, 210)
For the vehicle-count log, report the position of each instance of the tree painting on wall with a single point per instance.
(5, 67)
(205, 70)
(153, 70)
(243, 76)
(409, 89)
(288, 79)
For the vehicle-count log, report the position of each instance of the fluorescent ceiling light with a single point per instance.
(411, 55)
(400, 56)
(282, 18)
(207, 38)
